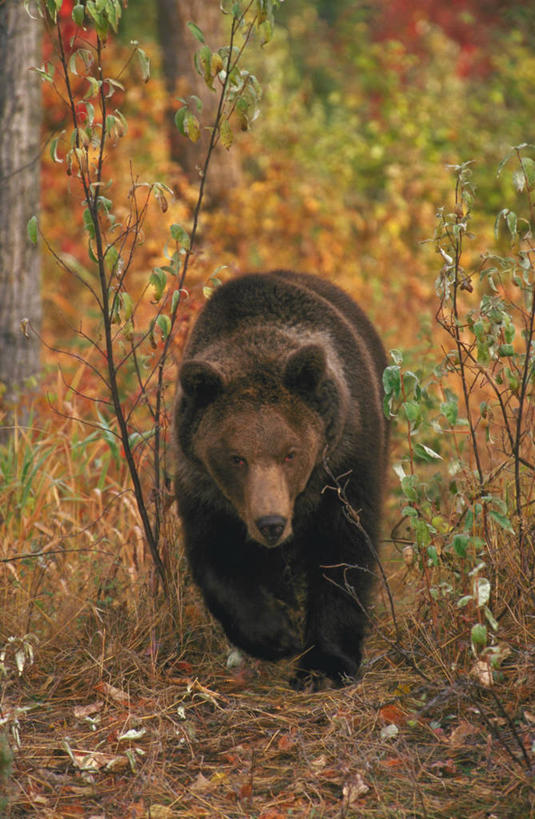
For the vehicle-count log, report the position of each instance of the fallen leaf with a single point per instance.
(114, 693)
(389, 731)
(445, 767)
(483, 672)
(161, 812)
(81, 711)
(235, 658)
(285, 743)
(197, 690)
(392, 762)
(354, 789)
(133, 733)
(318, 763)
(246, 791)
(180, 667)
(200, 784)
(97, 760)
(460, 734)
(330, 774)
(392, 714)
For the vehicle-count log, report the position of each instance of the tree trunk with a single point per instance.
(178, 47)
(20, 119)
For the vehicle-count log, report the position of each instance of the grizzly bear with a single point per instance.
(281, 443)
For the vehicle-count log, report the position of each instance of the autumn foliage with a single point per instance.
(358, 167)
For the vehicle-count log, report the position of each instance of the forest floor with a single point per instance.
(192, 738)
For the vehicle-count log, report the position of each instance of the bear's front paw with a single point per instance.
(323, 669)
(270, 635)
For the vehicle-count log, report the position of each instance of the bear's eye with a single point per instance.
(290, 456)
(237, 460)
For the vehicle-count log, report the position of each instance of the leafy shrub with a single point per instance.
(472, 420)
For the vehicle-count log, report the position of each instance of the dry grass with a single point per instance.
(206, 742)
(129, 710)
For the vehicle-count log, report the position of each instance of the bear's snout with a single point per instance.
(268, 505)
(271, 527)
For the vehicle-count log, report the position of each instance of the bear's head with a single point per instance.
(259, 434)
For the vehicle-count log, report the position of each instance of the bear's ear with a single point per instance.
(305, 369)
(200, 381)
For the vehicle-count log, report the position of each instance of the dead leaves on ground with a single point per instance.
(207, 748)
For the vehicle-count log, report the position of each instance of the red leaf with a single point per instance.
(392, 715)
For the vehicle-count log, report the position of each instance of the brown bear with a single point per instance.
(278, 418)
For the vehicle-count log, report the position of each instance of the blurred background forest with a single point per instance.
(342, 170)
(364, 106)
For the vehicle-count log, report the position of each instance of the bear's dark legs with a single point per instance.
(340, 576)
(234, 577)
(334, 631)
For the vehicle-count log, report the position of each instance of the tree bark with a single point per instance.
(20, 119)
(178, 47)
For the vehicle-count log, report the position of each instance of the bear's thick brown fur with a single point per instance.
(280, 391)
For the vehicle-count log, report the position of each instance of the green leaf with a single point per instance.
(502, 215)
(409, 512)
(512, 223)
(225, 131)
(32, 229)
(164, 323)
(502, 520)
(113, 13)
(112, 85)
(528, 167)
(53, 6)
(175, 301)
(158, 279)
(78, 13)
(460, 544)
(425, 453)
(54, 150)
(478, 635)
(45, 74)
(399, 471)
(144, 62)
(481, 591)
(409, 487)
(93, 89)
(519, 181)
(411, 384)
(422, 532)
(490, 617)
(433, 555)
(412, 411)
(265, 30)
(504, 162)
(180, 235)
(392, 380)
(179, 119)
(88, 223)
(196, 31)
(450, 410)
(126, 305)
(192, 129)
(112, 257)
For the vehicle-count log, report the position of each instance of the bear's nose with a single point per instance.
(271, 527)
